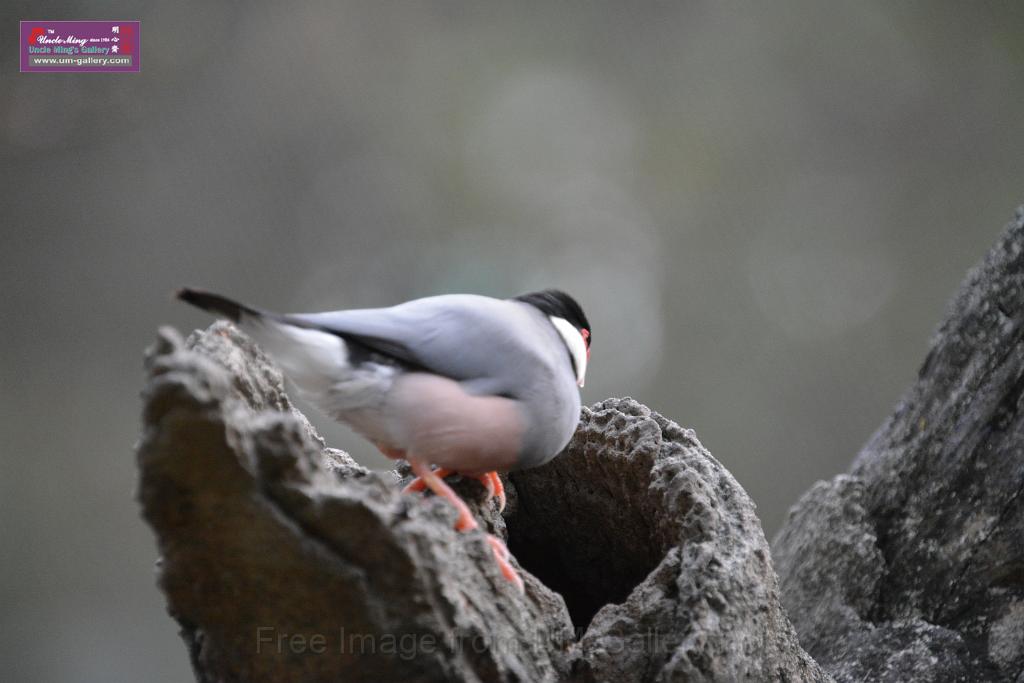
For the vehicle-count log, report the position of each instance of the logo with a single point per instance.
(70, 46)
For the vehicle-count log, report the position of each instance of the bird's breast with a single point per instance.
(435, 418)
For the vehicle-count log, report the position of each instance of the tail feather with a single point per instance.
(215, 303)
(312, 357)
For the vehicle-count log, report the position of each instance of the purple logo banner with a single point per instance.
(76, 46)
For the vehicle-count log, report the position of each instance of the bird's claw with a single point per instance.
(501, 557)
(496, 489)
(432, 479)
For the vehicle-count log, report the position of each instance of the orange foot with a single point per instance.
(506, 568)
(432, 479)
(490, 480)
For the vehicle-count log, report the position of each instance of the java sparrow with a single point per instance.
(470, 384)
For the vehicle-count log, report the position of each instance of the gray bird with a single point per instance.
(470, 384)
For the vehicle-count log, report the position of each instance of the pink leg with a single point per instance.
(427, 478)
(419, 484)
(497, 489)
(436, 484)
(504, 566)
(490, 480)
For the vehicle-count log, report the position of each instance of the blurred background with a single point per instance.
(764, 209)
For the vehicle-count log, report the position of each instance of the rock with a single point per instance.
(283, 560)
(658, 553)
(911, 567)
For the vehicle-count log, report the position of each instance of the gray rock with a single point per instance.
(658, 553)
(911, 567)
(283, 560)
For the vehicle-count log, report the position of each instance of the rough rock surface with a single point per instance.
(911, 567)
(283, 560)
(637, 522)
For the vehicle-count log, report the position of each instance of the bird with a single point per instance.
(454, 383)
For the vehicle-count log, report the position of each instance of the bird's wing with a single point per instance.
(462, 336)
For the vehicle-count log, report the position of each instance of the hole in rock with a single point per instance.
(590, 542)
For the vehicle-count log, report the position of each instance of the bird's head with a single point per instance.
(571, 322)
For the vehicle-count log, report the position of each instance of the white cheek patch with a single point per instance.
(577, 347)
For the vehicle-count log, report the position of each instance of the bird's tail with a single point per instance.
(311, 357)
(217, 304)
